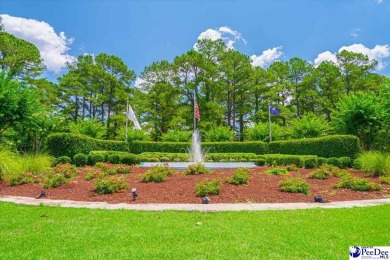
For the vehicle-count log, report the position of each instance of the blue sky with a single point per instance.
(141, 32)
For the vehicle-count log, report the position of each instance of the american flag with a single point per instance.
(197, 115)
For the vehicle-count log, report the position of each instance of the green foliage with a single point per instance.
(36, 164)
(329, 146)
(195, 169)
(357, 184)
(276, 171)
(260, 161)
(59, 144)
(92, 175)
(215, 147)
(375, 163)
(60, 174)
(114, 158)
(130, 158)
(90, 127)
(384, 179)
(14, 179)
(109, 185)
(20, 57)
(240, 176)
(157, 174)
(294, 185)
(309, 126)
(135, 135)
(322, 173)
(62, 159)
(358, 114)
(18, 102)
(285, 159)
(176, 136)
(8, 163)
(219, 134)
(260, 132)
(205, 188)
(310, 163)
(80, 159)
(216, 157)
(95, 158)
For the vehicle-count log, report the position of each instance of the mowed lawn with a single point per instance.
(41, 232)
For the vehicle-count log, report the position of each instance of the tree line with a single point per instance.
(231, 93)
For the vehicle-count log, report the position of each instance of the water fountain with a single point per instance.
(196, 155)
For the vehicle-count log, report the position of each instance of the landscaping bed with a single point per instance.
(180, 188)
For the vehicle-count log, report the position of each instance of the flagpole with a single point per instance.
(127, 119)
(269, 121)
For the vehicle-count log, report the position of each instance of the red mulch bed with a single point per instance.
(179, 188)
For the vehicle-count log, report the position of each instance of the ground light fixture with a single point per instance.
(319, 199)
(134, 192)
(205, 200)
(41, 194)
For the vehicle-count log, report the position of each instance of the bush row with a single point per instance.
(68, 144)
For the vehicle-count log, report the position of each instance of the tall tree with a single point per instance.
(19, 57)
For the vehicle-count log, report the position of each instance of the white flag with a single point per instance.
(131, 116)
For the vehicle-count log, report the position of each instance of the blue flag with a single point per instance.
(274, 111)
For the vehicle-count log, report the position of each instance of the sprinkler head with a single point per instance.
(205, 200)
(319, 199)
(41, 194)
(134, 192)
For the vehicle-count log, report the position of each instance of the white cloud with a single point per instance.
(53, 46)
(227, 34)
(325, 56)
(267, 57)
(379, 53)
(379, 1)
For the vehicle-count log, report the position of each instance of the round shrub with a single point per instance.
(114, 158)
(164, 159)
(80, 159)
(62, 159)
(334, 161)
(344, 162)
(260, 162)
(204, 188)
(240, 176)
(294, 185)
(108, 185)
(310, 163)
(321, 160)
(130, 159)
(95, 158)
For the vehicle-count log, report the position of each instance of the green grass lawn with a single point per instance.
(57, 233)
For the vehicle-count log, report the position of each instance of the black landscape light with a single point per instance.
(319, 199)
(41, 194)
(134, 192)
(205, 200)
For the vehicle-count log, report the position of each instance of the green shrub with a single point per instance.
(260, 132)
(157, 174)
(240, 176)
(114, 158)
(341, 174)
(14, 179)
(333, 161)
(176, 136)
(328, 146)
(295, 185)
(90, 127)
(59, 144)
(219, 134)
(92, 175)
(67, 170)
(277, 171)
(8, 163)
(216, 147)
(357, 184)
(123, 169)
(384, 179)
(344, 162)
(292, 167)
(310, 163)
(80, 159)
(62, 159)
(309, 126)
(321, 161)
(60, 174)
(95, 158)
(108, 185)
(286, 159)
(205, 188)
(54, 181)
(375, 163)
(260, 161)
(195, 169)
(36, 164)
(322, 173)
(164, 159)
(130, 159)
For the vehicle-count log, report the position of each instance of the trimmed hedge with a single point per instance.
(211, 147)
(67, 144)
(328, 146)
